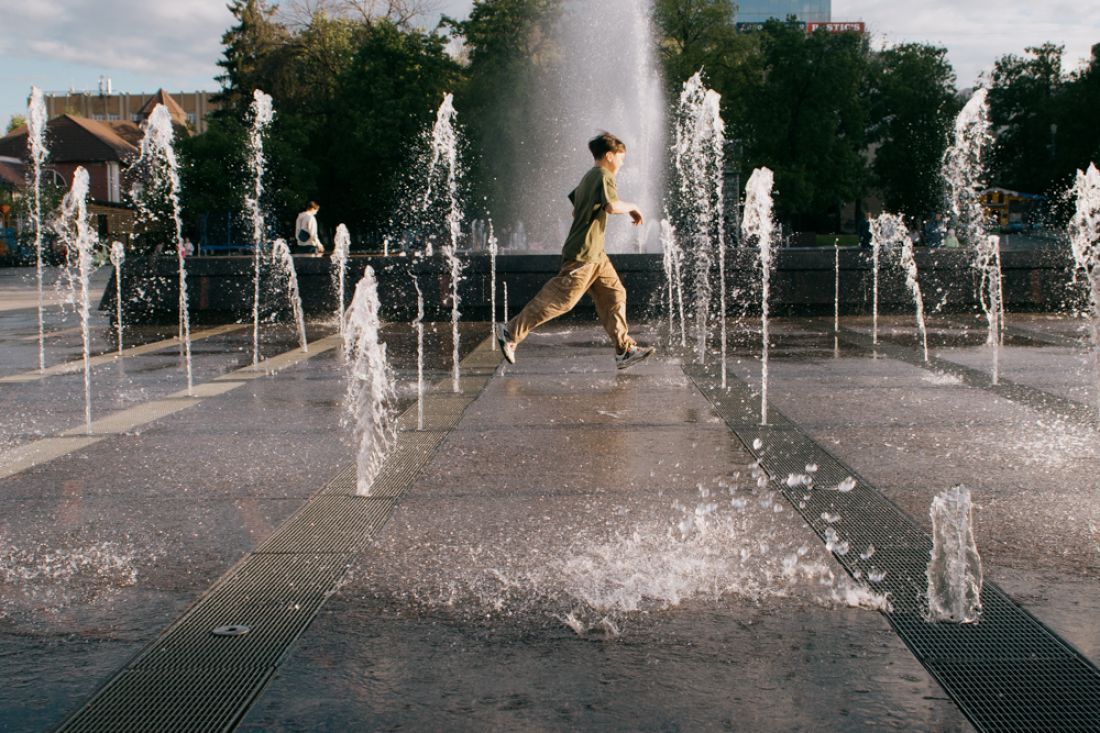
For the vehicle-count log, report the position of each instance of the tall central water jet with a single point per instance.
(1084, 233)
(443, 185)
(596, 71)
(757, 226)
(964, 175)
(262, 115)
(698, 156)
(36, 140)
(160, 157)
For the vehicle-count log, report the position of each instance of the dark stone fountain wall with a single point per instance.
(220, 288)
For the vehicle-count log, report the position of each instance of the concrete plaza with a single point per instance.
(577, 549)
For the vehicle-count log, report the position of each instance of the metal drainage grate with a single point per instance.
(403, 464)
(1009, 672)
(335, 524)
(198, 675)
(171, 701)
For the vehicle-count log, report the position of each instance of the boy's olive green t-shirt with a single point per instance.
(595, 191)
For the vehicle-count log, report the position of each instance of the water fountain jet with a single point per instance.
(1084, 234)
(36, 140)
(341, 245)
(118, 255)
(370, 395)
(80, 241)
(758, 226)
(955, 569)
(964, 167)
(158, 153)
(262, 115)
(280, 255)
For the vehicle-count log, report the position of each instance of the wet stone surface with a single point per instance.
(586, 550)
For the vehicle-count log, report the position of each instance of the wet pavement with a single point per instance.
(586, 550)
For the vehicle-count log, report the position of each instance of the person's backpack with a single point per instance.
(303, 236)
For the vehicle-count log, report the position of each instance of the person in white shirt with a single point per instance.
(305, 230)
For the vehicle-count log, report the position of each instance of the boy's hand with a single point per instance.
(636, 215)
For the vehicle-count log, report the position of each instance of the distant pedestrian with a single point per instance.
(305, 232)
(585, 267)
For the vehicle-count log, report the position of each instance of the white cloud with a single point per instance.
(173, 40)
(976, 35)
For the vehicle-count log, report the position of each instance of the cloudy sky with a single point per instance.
(143, 45)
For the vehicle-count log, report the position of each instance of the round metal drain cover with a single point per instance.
(231, 630)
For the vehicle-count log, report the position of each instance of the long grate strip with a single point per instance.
(191, 679)
(1009, 672)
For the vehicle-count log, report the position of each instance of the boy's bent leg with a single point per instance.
(609, 295)
(558, 296)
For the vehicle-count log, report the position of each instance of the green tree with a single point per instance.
(251, 59)
(388, 95)
(700, 34)
(1023, 112)
(1077, 138)
(803, 112)
(16, 122)
(912, 105)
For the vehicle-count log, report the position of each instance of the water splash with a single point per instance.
(368, 402)
(955, 570)
(36, 140)
(698, 156)
(341, 245)
(889, 230)
(964, 170)
(159, 155)
(673, 260)
(118, 256)
(80, 241)
(262, 115)
(504, 286)
(1084, 237)
(280, 255)
(757, 226)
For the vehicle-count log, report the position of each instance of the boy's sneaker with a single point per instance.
(507, 345)
(633, 355)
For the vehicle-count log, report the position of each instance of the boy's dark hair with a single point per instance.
(312, 205)
(605, 143)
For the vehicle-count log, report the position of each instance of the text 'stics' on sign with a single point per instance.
(836, 27)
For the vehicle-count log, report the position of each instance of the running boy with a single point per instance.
(585, 267)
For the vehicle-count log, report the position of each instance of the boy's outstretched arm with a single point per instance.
(625, 207)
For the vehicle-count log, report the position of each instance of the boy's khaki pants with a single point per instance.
(565, 289)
